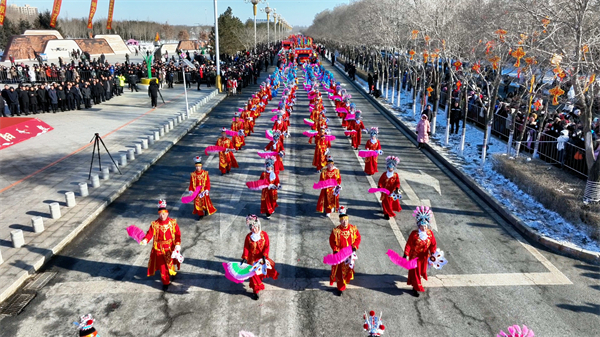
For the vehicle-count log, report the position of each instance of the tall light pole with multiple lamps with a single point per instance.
(254, 4)
(217, 61)
(267, 10)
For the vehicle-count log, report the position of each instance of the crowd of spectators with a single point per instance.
(41, 88)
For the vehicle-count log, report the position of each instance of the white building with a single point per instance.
(21, 10)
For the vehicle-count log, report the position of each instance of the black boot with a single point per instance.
(255, 296)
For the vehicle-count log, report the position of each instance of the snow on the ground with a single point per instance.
(524, 206)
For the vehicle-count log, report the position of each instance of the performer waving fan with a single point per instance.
(420, 244)
(342, 236)
(167, 245)
(226, 158)
(256, 247)
(391, 182)
(268, 199)
(329, 199)
(372, 144)
(199, 178)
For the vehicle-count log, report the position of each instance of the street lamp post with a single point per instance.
(254, 3)
(268, 11)
(217, 61)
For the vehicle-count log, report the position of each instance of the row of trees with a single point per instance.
(234, 35)
(552, 46)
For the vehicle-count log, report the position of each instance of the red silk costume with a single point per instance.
(357, 126)
(238, 141)
(254, 251)
(391, 184)
(321, 145)
(226, 159)
(268, 198)
(420, 249)
(204, 204)
(276, 146)
(327, 200)
(341, 237)
(371, 162)
(166, 236)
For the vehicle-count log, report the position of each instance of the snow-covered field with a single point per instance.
(533, 214)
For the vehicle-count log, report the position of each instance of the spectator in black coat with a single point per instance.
(42, 95)
(86, 92)
(53, 99)
(2, 106)
(24, 100)
(455, 116)
(33, 103)
(153, 92)
(13, 101)
(62, 98)
(69, 92)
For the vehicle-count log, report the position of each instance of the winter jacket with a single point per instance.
(560, 142)
(86, 92)
(52, 96)
(423, 129)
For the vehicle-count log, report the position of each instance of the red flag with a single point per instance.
(55, 12)
(2, 12)
(111, 8)
(93, 6)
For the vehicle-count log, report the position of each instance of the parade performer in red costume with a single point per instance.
(342, 236)
(256, 247)
(358, 126)
(276, 145)
(280, 124)
(237, 125)
(420, 244)
(329, 199)
(391, 182)
(321, 150)
(202, 204)
(167, 239)
(268, 198)
(86, 326)
(226, 158)
(248, 122)
(372, 144)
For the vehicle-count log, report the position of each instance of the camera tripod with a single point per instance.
(97, 140)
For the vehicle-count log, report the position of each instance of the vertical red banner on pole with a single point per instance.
(55, 12)
(111, 8)
(2, 11)
(93, 7)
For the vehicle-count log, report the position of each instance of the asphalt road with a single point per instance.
(494, 277)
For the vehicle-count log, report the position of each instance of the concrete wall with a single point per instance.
(60, 48)
(170, 47)
(95, 46)
(116, 43)
(22, 47)
(43, 32)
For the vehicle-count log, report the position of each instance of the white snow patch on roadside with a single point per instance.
(546, 222)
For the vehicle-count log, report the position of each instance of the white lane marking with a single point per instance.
(423, 178)
(152, 284)
(415, 201)
(392, 221)
(210, 159)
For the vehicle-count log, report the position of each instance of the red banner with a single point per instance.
(14, 130)
(55, 12)
(2, 12)
(111, 8)
(92, 12)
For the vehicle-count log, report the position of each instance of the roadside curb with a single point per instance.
(553, 245)
(209, 103)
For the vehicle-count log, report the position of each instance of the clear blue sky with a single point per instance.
(187, 12)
